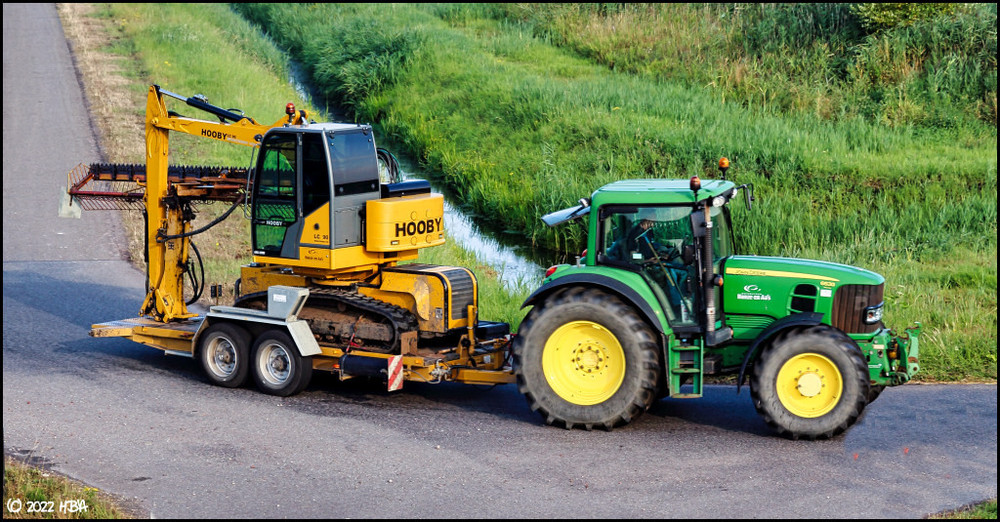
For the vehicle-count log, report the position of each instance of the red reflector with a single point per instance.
(550, 270)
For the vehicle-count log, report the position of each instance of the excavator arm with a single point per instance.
(164, 193)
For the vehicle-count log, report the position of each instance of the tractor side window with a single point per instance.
(722, 236)
(274, 200)
(652, 239)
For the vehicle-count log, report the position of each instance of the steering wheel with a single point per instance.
(667, 252)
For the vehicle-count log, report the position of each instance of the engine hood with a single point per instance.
(800, 269)
(758, 290)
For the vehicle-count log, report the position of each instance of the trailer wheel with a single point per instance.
(278, 367)
(810, 383)
(224, 352)
(584, 358)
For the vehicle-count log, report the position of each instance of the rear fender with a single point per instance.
(650, 310)
(283, 306)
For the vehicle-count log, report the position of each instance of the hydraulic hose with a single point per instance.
(197, 282)
(160, 238)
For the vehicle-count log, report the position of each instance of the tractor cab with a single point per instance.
(673, 234)
(660, 243)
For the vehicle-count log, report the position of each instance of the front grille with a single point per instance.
(849, 307)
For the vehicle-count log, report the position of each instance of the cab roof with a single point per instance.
(658, 191)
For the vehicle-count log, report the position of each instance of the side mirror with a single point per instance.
(748, 194)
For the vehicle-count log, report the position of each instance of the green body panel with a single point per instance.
(632, 280)
(759, 290)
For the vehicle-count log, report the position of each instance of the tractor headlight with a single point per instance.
(873, 314)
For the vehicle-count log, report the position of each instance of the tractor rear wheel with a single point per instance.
(810, 383)
(584, 358)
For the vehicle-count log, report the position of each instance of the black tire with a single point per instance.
(224, 352)
(570, 316)
(810, 383)
(278, 368)
(874, 391)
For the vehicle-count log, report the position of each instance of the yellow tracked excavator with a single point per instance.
(329, 286)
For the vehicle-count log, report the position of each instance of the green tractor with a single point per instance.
(660, 300)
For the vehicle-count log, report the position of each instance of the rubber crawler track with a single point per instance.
(321, 298)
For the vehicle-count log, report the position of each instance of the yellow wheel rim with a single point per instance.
(809, 385)
(583, 363)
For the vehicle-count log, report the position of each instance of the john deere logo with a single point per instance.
(752, 293)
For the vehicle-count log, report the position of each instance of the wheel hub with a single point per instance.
(223, 357)
(583, 363)
(809, 385)
(274, 364)
(587, 358)
(278, 363)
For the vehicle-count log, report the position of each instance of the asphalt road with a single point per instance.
(146, 426)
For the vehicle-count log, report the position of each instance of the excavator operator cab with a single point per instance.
(309, 184)
(310, 202)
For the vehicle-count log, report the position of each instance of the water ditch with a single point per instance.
(514, 258)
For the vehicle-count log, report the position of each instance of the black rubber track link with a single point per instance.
(344, 304)
(835, 346)
(641, 382)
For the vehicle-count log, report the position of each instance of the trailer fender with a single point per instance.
(800, 319)
(283, 306)
(605, 283)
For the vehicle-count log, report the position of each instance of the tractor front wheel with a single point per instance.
(810, 383)
(584, 358)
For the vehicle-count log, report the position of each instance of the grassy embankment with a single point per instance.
(522, 110)
(206, 49)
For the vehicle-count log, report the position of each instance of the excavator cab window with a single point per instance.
(354, 162)
(274, 199)
(315, 174)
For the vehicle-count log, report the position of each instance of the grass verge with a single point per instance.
(979, 511)
(35, 493)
